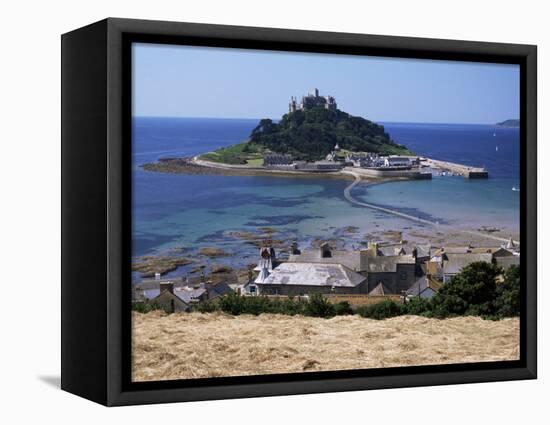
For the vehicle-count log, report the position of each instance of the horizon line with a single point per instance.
(276, 119)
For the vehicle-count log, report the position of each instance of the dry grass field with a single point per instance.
(195, 345)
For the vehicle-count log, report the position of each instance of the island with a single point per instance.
(509, 123)
(314, 137)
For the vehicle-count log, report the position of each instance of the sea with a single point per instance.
(193, 211)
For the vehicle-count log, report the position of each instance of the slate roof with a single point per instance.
(388, 264)
(452, 250)
(313, 274)
(166, 296)
(422, 284)
(187, 294)
(456, 262)
(380, 289)
(350, 259)
(219, 290)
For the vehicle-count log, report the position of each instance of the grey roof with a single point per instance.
(456, 249)
(388, 264)
(219, 290)
(502, 252)
(421, 284)
(423, 250)
(187, 294)
(405, 249)
(166, 295)
(380, 289)
(313, 274)
(388, 249)
(350, 259)
(456, 262)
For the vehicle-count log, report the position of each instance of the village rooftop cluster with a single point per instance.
(396, 271)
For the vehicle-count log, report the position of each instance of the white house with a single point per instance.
(397, 161)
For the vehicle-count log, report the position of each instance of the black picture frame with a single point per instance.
(96, 225)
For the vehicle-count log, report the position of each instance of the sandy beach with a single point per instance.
(195, 345)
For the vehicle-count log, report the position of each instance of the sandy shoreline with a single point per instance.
(195, 345)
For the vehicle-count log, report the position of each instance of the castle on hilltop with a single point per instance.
(312, 100)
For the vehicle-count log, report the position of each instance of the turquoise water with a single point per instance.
(452, 200)
(193, 211)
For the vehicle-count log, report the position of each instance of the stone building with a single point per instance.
(295, 279)
(276, 159)
(337, 271)
(313, 99)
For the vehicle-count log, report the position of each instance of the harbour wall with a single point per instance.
(464, 170)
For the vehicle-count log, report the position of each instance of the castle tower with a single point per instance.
(292, 104)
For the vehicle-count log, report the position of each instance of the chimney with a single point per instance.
(325, 250)
(168, 286)
(373, 248)
(364, 256)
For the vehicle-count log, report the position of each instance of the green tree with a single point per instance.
(312, 133)
(319, 306)
(508, 294)
(470, 292)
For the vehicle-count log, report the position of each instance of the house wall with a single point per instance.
(297, 290)
(165, 301)
(399, 281)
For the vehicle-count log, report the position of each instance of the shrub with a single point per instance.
(342, 308)
(319, 306)
(146, 307)
(291, 307)
(416, 306)
(205, 307)
(507, 303)
(235, 304)
(381, 310)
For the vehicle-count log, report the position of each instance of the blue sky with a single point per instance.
(184, 81)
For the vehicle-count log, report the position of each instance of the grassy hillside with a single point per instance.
(239, 154)
(195, 345)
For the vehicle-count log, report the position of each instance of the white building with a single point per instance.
(397, 161)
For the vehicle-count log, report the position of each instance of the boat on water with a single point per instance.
(515, 189)
(496, 148)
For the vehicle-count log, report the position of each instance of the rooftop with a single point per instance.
(312, 274)
(458, 261)
(388, 263)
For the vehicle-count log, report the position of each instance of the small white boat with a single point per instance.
(515, 189)
(496, 148)
(494, 135)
